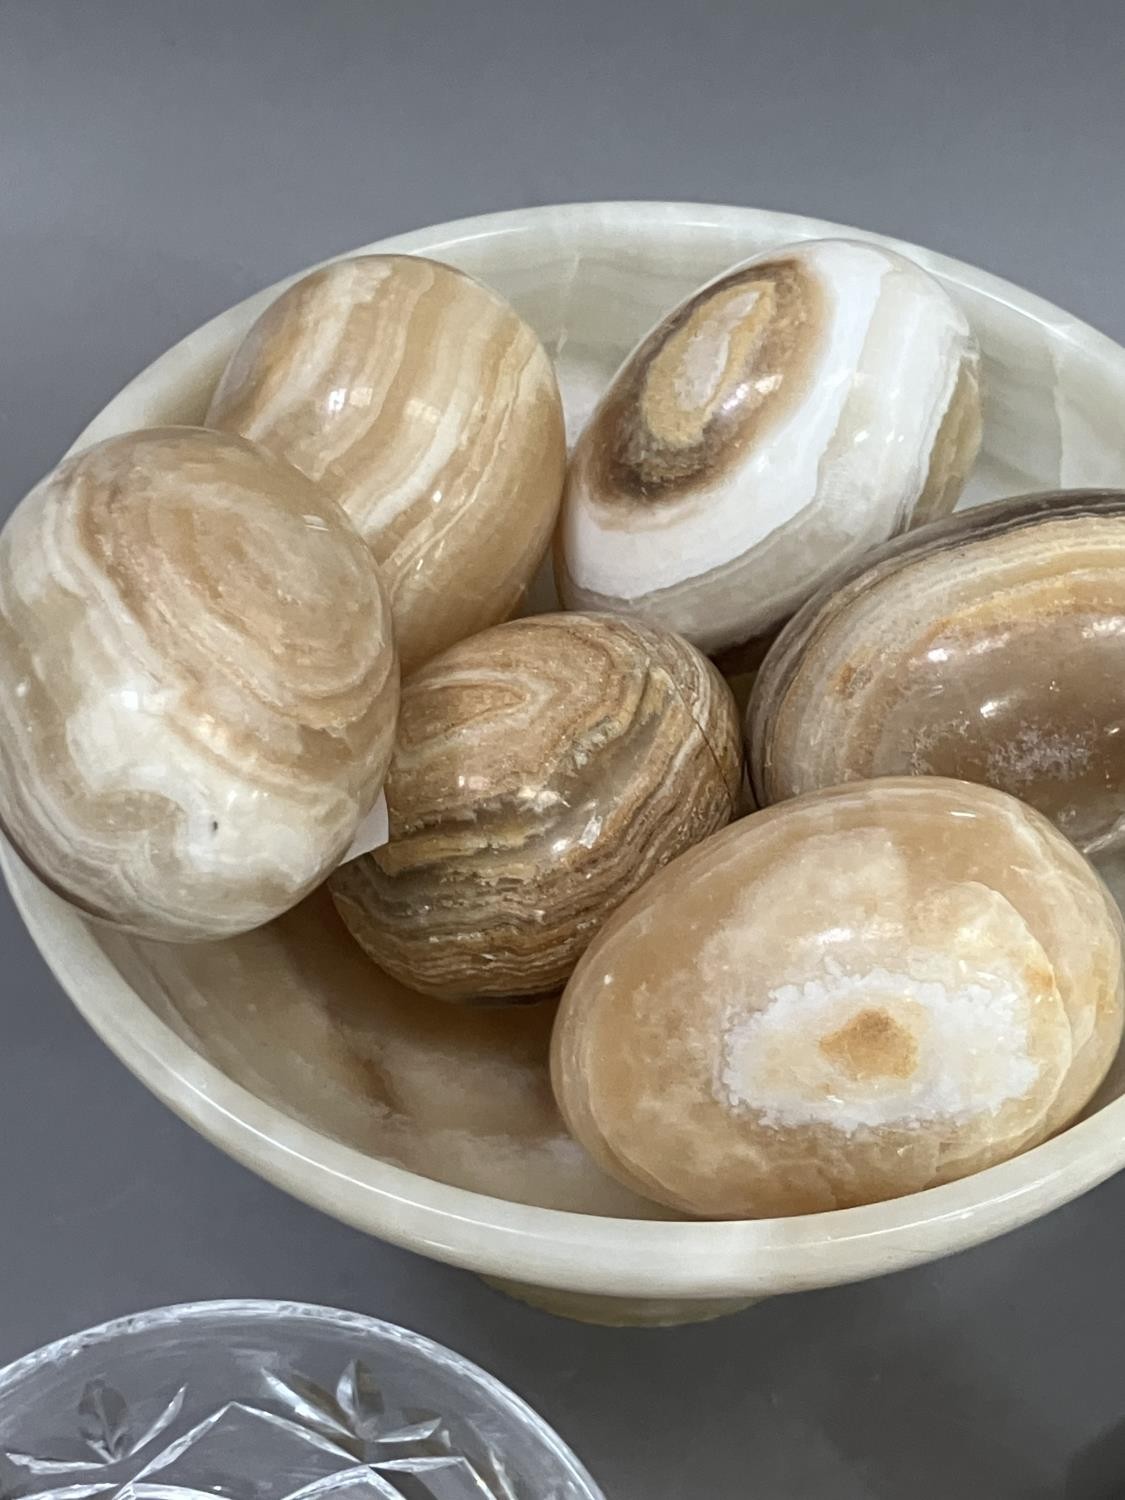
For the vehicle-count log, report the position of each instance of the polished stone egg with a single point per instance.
(198, 683)
(850, 996)
(543, 771)
(420, 401)
(779, 423)
(990, 646)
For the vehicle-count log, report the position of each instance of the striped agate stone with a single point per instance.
(989, 646)
(792, 414)
(543, 770)
(198, 683)
(421, 402)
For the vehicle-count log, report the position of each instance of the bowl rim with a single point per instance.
(271, 1313)
(543, 1247)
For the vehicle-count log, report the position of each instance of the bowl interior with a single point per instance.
(263, 1401)
(295, 1054)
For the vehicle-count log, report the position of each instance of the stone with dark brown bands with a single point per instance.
(543, 770)
(651, 445)
(768, 432)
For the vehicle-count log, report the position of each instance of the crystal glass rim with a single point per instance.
(269, 1314)
(540, 1246)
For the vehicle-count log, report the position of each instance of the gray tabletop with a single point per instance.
(160, 159)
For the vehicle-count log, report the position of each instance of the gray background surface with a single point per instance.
(158, 161)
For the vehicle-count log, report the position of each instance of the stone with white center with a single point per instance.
(850, 996)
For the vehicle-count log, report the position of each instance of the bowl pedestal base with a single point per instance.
(621, 1312)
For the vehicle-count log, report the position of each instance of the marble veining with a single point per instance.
(543, 770)
(422, 403)
(198, 684)
(990, 646)
(850, 996)
(795, 412)
(295, 1013)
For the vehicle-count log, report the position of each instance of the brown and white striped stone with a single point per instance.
(795, 412)
(198, 686)
(422, 403)
(989, 646)
(543, 770)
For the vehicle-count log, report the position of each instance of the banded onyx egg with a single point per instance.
(420, 401)
(783, 420)
(543, 770)
(990, 646)
(198, 683)
(850, 996)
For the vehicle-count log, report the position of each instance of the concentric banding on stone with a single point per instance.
(198, 684)
(851, 996)
(422, 403)
(990, 646)
(543, 771)
(799, 410)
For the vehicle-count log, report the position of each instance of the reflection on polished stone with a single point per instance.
(542, 772)
(428, 408)
(198, 686)
(990, 646)
(850, 996)
(794, 413)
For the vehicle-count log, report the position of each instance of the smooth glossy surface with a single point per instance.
(427, 407)
(803, 407)
(542, 772)
(295, 1013)
(849, 997)
(591, 279)
(269, 1400)
(198, 685)
(989, 647)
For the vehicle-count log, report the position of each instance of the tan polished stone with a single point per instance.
(990, 646)
(794, 413)
(543, 771)
(198, 686)
(848, 997)
(421, 402)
